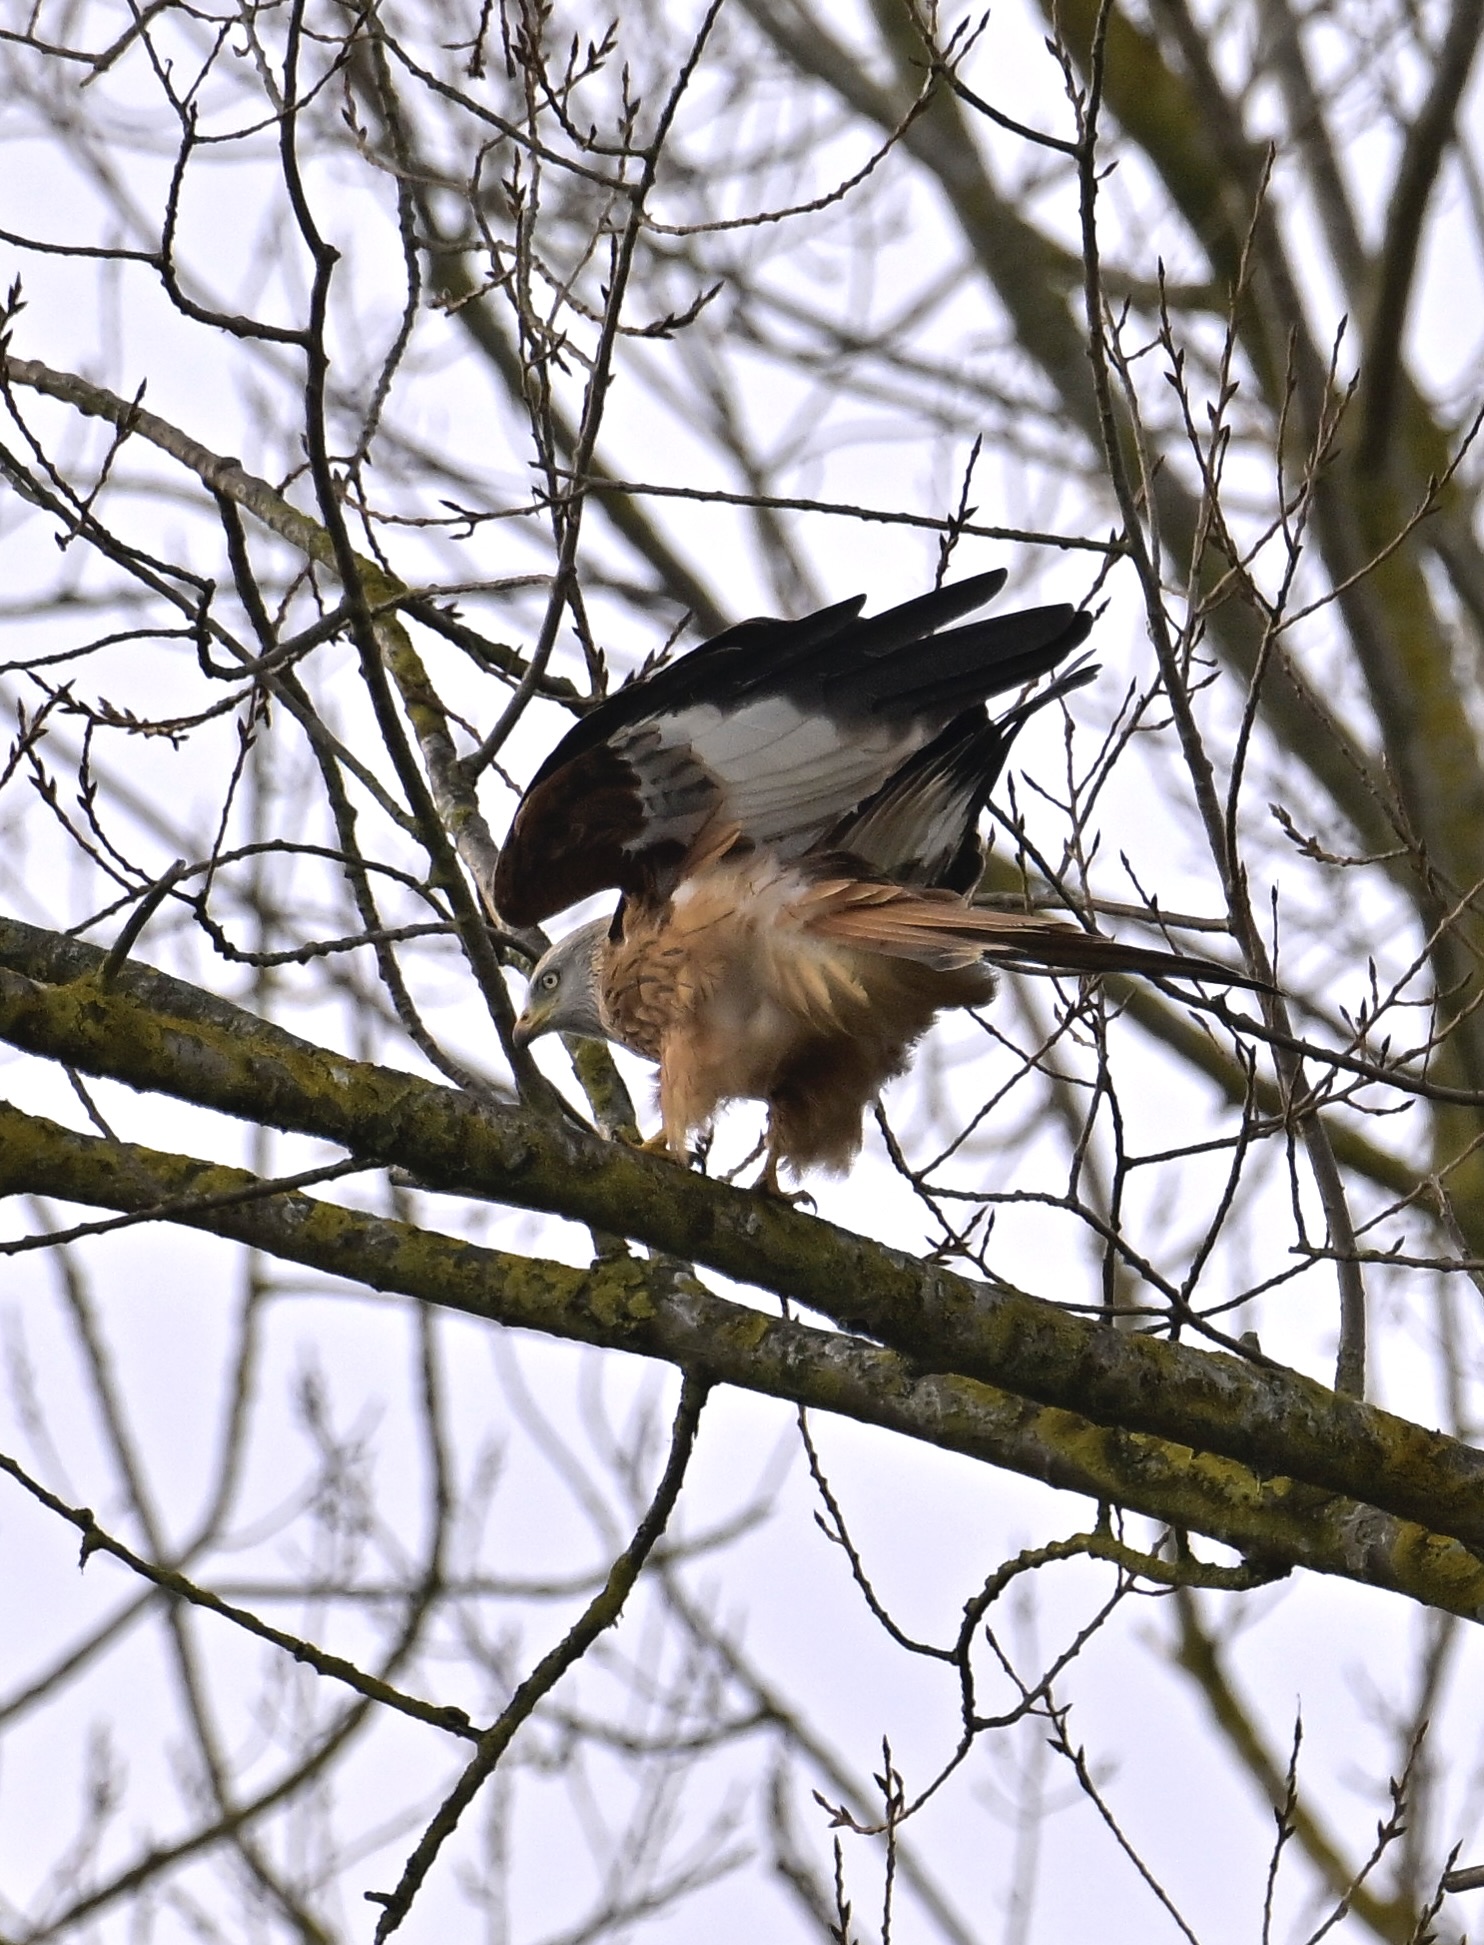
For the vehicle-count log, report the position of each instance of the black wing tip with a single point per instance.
(920, 618)
(1080, 676)
(970, 664)
(976, 589)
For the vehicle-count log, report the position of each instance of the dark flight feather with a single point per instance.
(783, 728)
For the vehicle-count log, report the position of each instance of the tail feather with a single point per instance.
(939, 931)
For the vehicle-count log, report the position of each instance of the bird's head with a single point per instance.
(563, 994)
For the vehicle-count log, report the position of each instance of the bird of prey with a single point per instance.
(790, 813)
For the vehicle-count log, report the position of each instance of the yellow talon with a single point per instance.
(656, 1144)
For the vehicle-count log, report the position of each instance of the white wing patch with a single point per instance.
(782, 775)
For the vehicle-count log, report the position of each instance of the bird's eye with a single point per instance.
(550, 981)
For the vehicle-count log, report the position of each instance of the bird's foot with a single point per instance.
(657, 1144)
(795, 1198)
(768, 1184)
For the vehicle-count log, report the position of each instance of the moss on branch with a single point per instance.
(157, 1035)
(657, 1309)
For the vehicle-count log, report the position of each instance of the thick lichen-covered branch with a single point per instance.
(149, 1032)
(658, 1309)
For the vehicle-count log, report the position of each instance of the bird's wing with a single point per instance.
(779, 728)
(920, 828)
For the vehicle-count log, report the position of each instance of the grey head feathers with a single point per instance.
(563, 996)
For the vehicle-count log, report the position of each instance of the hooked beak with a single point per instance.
(533, 1022)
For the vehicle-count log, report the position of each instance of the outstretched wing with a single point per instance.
(921, 826)
(780, 729)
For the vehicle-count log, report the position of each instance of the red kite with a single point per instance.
(790, 813)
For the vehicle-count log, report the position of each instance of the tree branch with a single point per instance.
(1406, 208)
(658, 1309)
(1275, 1420)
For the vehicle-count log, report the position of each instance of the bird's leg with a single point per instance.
(680, 1111)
